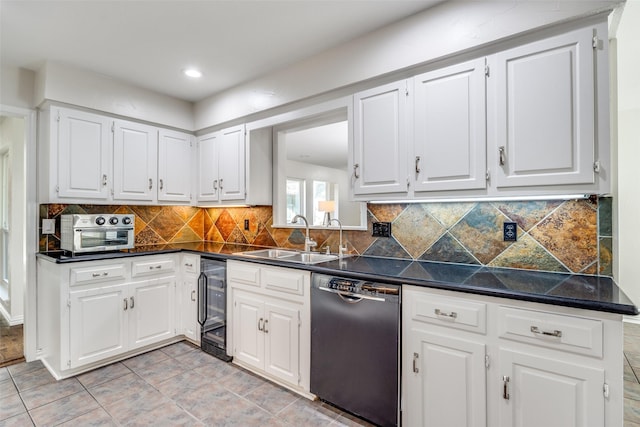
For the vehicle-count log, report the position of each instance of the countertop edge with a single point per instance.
(610, 307)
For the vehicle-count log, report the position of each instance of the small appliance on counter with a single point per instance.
(212, 313)
(80, 233)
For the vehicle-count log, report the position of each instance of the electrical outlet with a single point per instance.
(48, 226)
(246, 224)
(381, 229)
(510, 231)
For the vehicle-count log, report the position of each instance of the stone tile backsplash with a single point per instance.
(561, 236)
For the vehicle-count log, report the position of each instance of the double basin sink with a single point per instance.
(289, 256)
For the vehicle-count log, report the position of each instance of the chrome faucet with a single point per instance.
(308, 242)
(341, 249)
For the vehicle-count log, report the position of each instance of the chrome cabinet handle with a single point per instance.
(502, 154)
(96, 274)
(104, 180)
(415, 363)
(260, 327)
(505, 387)
(193, 295)
(556, 333)
(150, 183)
(356, 175)
(215, 184)
(161, 183)
(451, 315)
(221, 183)
(126, 305)
(132, 301)
(188, 264)
(266, 322)
(417, 164)
(157, 267)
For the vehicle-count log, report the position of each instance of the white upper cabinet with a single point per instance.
(542, 121)
(231, 163)
(533, 122)
(381, 139)
(175, 157)
(449, 128)
(81, 146)
(135, 154)
(90, 158)
(221, 166)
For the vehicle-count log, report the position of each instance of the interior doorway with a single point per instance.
(18, 232)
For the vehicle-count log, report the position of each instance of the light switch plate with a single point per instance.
(48, 226)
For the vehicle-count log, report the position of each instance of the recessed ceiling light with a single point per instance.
(192, 72)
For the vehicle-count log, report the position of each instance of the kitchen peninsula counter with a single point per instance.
(597, 293)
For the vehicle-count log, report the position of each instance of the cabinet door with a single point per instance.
(84, 154)
(98, 324)
(381, 140)
(449, 128)
(445, 381)
(207, 170)
(248, 325)
(174, 166)
(542, 120)
(189, 309)
(151, 311)
(231, 163)
(282, 336)
(135, 156)
(538, 391)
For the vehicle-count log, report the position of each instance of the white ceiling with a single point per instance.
(149, 42)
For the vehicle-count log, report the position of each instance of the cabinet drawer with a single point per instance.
(284, 280)
(190, 264)
(145, 268)
(244, 272)
(82, 276)
(449, 311)
(562, 332)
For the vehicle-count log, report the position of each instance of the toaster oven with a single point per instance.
(97, 232)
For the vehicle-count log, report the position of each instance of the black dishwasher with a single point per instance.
(212, 307)
(355, 329)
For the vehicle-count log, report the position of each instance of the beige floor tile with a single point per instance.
(64, 409)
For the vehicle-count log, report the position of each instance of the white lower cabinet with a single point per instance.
(540, 391)
(471, 360)
(187, 304)
(98, 324)
(91, 313)
(271, 322)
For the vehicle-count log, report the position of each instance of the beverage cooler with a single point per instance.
(212, 313)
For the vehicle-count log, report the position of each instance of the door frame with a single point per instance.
(30, 233)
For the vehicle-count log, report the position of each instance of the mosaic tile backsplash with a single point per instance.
(561, 236)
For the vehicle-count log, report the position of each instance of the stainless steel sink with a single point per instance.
(289, 255)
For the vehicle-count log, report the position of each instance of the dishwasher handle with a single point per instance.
(352, 298)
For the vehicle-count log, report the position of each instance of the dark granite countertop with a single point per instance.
(571, 290)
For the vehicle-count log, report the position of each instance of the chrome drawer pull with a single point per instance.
(502, 155)
(193, 295)
(96, 274)
(415, 363)
(131, 302)
(125, 304)
(451, 315)
(260, 327)
(556, 333)
(266, 322)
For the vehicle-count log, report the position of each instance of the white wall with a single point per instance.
(451, 27)
(628, 130)
(57, 82)
(12, 137)
(16, 87)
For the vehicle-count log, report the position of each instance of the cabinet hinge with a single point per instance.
(487, 176)
(596, 43)
(113, 127)
(605, 390)
(68, 303)
(57, 188)
(58, 117)
(69, 363)
(487, 361)
(596, 167)
(487, 71)
(408, 183)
